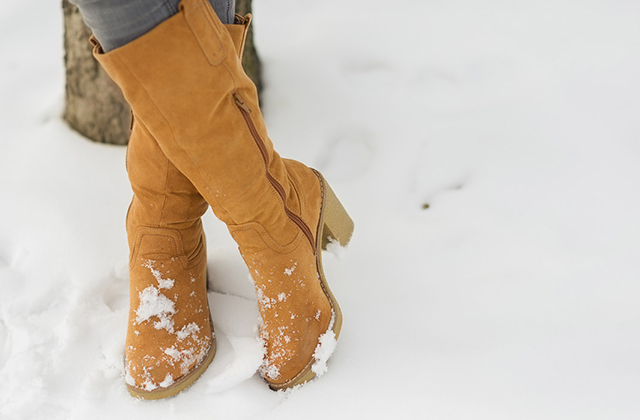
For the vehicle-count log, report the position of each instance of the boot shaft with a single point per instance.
(185, 70)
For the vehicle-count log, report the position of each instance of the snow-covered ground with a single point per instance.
(489, 153)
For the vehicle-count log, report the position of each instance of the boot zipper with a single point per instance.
(245, 111)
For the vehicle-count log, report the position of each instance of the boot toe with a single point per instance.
(291, 346)
(165, 365)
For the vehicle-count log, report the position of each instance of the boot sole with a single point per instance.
(181, 384)
(334, 225)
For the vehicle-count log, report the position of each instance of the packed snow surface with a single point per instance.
(488, 153)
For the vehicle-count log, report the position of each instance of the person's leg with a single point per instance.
(170, 340)
(189, 90)
(117, 22)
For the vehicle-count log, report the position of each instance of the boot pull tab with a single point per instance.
(240, 102)
(206, 28)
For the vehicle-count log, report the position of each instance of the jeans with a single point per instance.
(117, 22)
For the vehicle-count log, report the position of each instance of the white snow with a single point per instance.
(290, 270)
(173, 353)
(334, 247)
(167, 382)
(128, 378)
(149, 385)
(326, 346)
(488, 153)
(270, 371)
(162, 282)
(187, 330)
(155, 304)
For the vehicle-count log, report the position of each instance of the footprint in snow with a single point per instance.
(116, 293)
(357, 67)
(347, 155)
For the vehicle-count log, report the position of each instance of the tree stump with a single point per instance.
(250, 59)
(94, 105)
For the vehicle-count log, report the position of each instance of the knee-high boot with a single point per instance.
(187, 87)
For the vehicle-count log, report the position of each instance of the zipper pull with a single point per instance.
(240, 102)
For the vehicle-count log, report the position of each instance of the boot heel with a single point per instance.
(337, 225)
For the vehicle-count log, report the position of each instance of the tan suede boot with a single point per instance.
(170, 339)
(187, 86)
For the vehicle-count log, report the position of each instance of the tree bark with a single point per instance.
(250, 60)
(94, 105)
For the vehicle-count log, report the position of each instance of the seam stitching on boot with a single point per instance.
(297, 238)
(166, 182)
(154, 232)
(212, 56)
